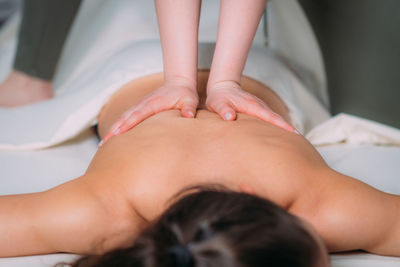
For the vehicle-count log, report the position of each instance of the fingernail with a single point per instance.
(100, 144)
(116, 131)
(297, 132)
(191, 113)
(228, 116)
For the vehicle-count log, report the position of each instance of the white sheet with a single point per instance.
(100, 67)
(92, 68)
(77, 106)
(31, 171)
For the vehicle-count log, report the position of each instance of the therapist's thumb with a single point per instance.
(226, 112)
(189, 111)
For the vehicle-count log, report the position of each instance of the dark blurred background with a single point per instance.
(7, 7)
(360, 42)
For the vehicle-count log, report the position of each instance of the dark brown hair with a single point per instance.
(214, 227)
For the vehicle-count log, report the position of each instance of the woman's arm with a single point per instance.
(351, 215)
(69, 218)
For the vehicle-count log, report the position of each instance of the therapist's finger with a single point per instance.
(188, 109)
(112, 132)
(115, 128)
(130, 118)
(139, 114)
(262, 112)
(223, 109)
(135, 118)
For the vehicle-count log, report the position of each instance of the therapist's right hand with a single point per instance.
(174, 94)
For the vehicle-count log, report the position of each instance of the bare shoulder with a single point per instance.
(97, 213)
(351, 215)
(74, 217)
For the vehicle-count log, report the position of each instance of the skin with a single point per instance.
(20, 89)
(178, 22)
(133, 176)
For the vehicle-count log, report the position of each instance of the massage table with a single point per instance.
(31, 170)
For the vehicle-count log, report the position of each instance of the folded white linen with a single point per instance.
(346, 128)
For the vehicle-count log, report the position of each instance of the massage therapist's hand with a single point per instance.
(174, 94)
(227, 97)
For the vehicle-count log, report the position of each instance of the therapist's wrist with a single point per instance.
(221, 77)
(222, 84)
(181, 80)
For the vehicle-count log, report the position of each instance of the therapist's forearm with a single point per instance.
(178, 22)
(238, 22)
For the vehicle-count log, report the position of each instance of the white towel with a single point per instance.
(346, 128)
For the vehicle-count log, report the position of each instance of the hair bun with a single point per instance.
(181, 256)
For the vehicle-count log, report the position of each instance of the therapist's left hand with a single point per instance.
(227, 97)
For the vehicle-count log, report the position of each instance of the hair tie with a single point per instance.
(181, 255)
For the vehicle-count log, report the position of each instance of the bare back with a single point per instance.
(167, 152)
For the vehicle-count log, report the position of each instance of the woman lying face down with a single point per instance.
(212, 226)
(123, 201)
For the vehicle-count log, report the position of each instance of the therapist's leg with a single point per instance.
(44, 28)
